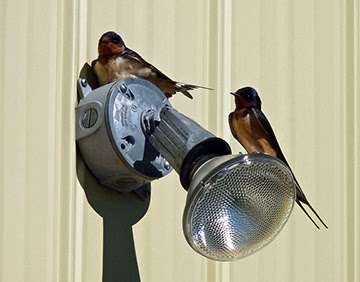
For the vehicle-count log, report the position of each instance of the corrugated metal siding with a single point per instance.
(303, 58)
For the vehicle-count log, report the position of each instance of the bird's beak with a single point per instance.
(235, 94)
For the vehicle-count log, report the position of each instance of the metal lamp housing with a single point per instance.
(109, 132)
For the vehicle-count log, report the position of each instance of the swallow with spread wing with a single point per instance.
(116, 62)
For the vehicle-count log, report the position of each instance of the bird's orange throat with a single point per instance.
(241, 103)
(110, 49)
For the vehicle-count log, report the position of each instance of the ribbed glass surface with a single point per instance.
(240, 210)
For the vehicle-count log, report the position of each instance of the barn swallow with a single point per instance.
(251, 128)
(116, 62)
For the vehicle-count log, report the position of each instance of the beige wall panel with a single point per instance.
(350, 141)
(302, 57)
(27, 148)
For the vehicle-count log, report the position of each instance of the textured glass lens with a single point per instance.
(240, 210)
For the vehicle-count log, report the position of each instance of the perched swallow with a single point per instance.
(116, 62)
(251, 128)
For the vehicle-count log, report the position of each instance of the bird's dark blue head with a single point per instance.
(111, 37)
(247, 97)
(110, 43)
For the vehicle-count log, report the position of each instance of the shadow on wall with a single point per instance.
(120, 211)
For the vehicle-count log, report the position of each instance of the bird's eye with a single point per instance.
(115, 41)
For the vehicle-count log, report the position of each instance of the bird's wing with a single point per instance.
(148, 68)
(271, 135)
(274, 143)
(300, 196)
(151, 73)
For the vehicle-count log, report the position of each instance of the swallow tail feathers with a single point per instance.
(185, 88)
(300, 198)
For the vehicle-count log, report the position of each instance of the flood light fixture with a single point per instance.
(129, 135)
